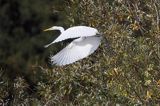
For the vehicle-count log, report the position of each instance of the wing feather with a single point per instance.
(77, 31)
(61, 58)
(76, 50)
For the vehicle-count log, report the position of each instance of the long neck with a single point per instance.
(61, 29)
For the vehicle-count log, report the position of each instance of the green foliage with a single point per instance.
(124, 70)
(21, 33)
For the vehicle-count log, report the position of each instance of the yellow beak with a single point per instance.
(48, 29)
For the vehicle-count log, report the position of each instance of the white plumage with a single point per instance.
(87, 42)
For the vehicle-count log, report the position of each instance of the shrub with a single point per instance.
(124, 70)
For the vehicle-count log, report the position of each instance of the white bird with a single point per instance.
(87, 41)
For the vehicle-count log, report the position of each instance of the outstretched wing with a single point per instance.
(74, 32)
(78, 49)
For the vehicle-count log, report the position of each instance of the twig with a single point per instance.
(157, 13)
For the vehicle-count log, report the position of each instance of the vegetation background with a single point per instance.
(125, 69)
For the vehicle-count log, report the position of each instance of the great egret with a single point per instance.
(87, 41)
